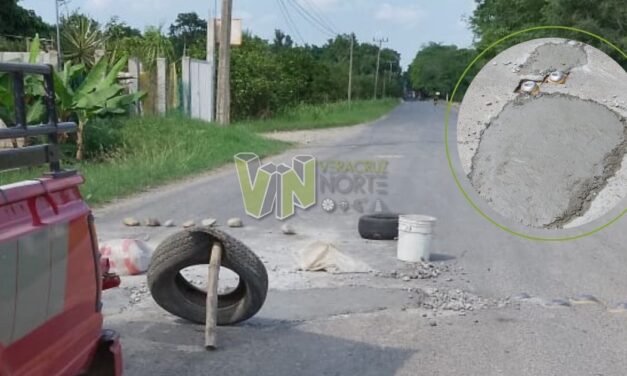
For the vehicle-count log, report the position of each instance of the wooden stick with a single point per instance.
(212, 296)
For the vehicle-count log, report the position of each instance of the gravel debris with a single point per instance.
(137, 293)
(454, 300)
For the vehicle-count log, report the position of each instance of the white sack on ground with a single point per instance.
(127, 256)
(321, 256)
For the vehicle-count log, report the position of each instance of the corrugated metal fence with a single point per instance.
(197, 88)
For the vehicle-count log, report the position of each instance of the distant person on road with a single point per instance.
(435, 101)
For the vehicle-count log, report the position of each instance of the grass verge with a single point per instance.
(157, 150)
(324, 116)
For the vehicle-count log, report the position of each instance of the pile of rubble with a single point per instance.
(421, 270)
(454, 300)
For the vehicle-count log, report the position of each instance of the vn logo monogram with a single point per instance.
(267, 186)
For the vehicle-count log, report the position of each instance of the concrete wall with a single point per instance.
(44, 57)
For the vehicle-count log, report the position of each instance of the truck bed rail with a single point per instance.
(37, 154)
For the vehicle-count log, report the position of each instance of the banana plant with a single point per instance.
(99, 94)
(80, 94)
(33, 91)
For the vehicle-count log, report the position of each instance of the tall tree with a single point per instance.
(116, 29)
(437, 68)
(189, 35)
(493, 19)
(281, 41)
(21, 22)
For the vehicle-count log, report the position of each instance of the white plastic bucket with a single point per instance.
(415, 235)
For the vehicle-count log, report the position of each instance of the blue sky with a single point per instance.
(407, 24)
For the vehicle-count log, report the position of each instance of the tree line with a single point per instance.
(268, 76)
(437, 67)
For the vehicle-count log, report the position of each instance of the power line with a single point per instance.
(321, 16)
(289, 21)
(310, 18)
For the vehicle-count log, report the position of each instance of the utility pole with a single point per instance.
(211, 59)
(223, 100)
(350, 72)
(376, 74)
(59, 57)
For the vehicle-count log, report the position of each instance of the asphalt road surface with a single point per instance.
(519, 313)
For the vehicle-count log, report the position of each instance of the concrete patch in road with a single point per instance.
(302, 305)
(542, 160)
(492, 108)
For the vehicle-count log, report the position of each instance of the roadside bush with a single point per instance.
(103, 137)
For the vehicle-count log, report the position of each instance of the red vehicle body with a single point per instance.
(51, 273)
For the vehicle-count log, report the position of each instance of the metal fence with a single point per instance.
(197, 89)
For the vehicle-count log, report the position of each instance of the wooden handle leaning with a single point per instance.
(212, 296)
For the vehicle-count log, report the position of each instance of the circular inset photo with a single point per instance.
(542, 133)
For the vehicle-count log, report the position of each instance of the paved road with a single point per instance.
(376, 324)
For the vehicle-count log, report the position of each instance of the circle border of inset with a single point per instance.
(448, 151)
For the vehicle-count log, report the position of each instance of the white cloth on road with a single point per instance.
(322, 256)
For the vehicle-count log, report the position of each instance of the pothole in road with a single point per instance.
(542, 160)
(554, 56)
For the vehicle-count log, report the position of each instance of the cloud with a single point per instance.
(398, 13)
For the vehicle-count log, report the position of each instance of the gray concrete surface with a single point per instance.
(592, 76)
(543, 159)
(470, 318)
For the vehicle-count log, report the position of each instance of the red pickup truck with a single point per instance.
(51, 273)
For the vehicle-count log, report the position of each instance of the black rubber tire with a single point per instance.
(379, 226)
(179, 297)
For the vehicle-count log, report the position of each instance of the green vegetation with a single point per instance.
(323, 116)
(276, 85)
(268, 78)
(80, 39)
(80, 95)
(156, 150)
(494, 19)
(437, 68)
(99, 94)
(128, 155)
(17, 21)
